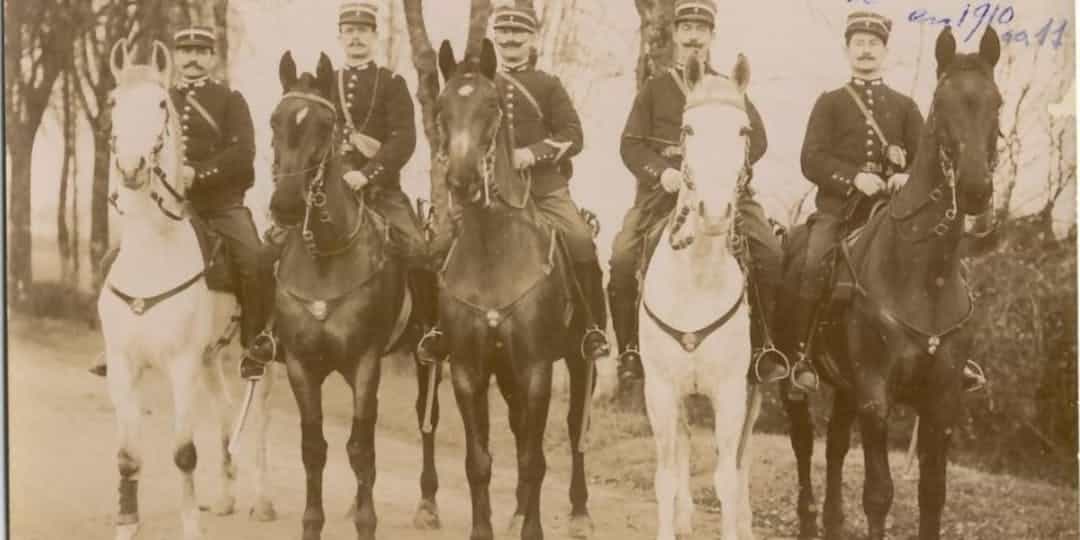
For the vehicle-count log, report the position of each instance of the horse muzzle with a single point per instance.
(133, 177)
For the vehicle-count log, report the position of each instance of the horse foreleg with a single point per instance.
(470, 391)
(729, 410)
(801, 432)
(935, 433)
(836, 448)
(512, 394)
(184, 375)
(877, 486)
(663, 403)
(535, 383)
(213, 375)
(307, 388)
(263, 507)
(427, 408)
(580, 525)
(361, 446)
(123, 380)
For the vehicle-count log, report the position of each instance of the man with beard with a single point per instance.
(218, 149)
(546, 132)
(860, 140)
(651, 150)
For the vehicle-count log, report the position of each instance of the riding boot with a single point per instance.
(768, 363)
(431, 347)
(594, 343)
(256, 296)
(624, 317)
(99, 367)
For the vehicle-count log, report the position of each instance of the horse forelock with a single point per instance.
(716, 89)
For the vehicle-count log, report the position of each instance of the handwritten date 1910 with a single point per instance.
(979, 16)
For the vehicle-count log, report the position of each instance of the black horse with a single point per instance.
(895, 329)
(505, 301)
(342, 298)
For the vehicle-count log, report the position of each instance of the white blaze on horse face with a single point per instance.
(715, 154)
(138, 119)
(301, 115)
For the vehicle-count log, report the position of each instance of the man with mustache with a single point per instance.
(651, 150)
(546, 132)
(860, 140)
(218, 149)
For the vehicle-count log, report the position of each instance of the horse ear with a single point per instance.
(324, 74)
(287, 71)
(741, 73)
(990, 47)
(118, 58)
(945, 50)
(162, 61)
(447, 64)
(694, 71)
(488, 64)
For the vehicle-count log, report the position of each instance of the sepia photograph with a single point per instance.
(526, 269)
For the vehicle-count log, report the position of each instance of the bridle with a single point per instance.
(947, 187)
(486, 164)
(315, 199)
(153, 168)
(689, 187)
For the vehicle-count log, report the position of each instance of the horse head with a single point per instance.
(145, 126)
(715, 145)
(303, 135)
(469, 119)
(964, 118)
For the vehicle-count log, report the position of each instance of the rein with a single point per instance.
(156, 172)
(315, 199)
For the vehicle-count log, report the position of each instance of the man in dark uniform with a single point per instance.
(651, 150)
(546, 132)
(860, 139)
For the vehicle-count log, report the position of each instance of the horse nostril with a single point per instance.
(142, 163)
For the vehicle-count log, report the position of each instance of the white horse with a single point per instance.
(155, 307)
(694, 316)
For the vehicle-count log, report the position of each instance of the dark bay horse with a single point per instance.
(505, 300)
(342, 298)
(900, 336)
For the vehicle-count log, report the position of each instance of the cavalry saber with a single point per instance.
(752, 409)
(429, 399)
(586, 410)
(911, 449)
(243, 417)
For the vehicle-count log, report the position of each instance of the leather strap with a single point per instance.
(525, 91)
(691, 340)
(869, 115)
(202, 112)
(345, 110)
(140, 305)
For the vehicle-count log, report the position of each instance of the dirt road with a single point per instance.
(63, 469)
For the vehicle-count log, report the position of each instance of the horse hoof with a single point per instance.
(427, 516)
(580, 527)
(263, 510)
(514, 529)
(127, 531)
(224, 506)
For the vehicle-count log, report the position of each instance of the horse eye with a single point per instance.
(162, 105)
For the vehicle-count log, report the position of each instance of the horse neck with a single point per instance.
(341, 206)
(923, 264)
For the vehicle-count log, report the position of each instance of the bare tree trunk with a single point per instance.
(479, 11)
(423, 58)
(99, 203)
(20, 273)
(655, 52)
(63, 237)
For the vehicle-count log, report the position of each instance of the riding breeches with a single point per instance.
(406, 232)
(254, 273)
(824, 233)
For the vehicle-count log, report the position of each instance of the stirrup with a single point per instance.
(760, 355)
(603, 349)
(423, 356)
(795, 375)
(266, 336)
(974, 373)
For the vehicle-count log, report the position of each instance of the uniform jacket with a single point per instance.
(651, 140)
(840, 142)
(219, 145)
(550, 127)
(378, 102)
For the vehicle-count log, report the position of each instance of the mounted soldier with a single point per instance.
(860, 142)
(545, 133)
(652, 150)
(218, 149)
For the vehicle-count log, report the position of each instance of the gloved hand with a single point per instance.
(356, 180)
(897, 181)
(671, 180)
(868, 183)
(523, 158)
